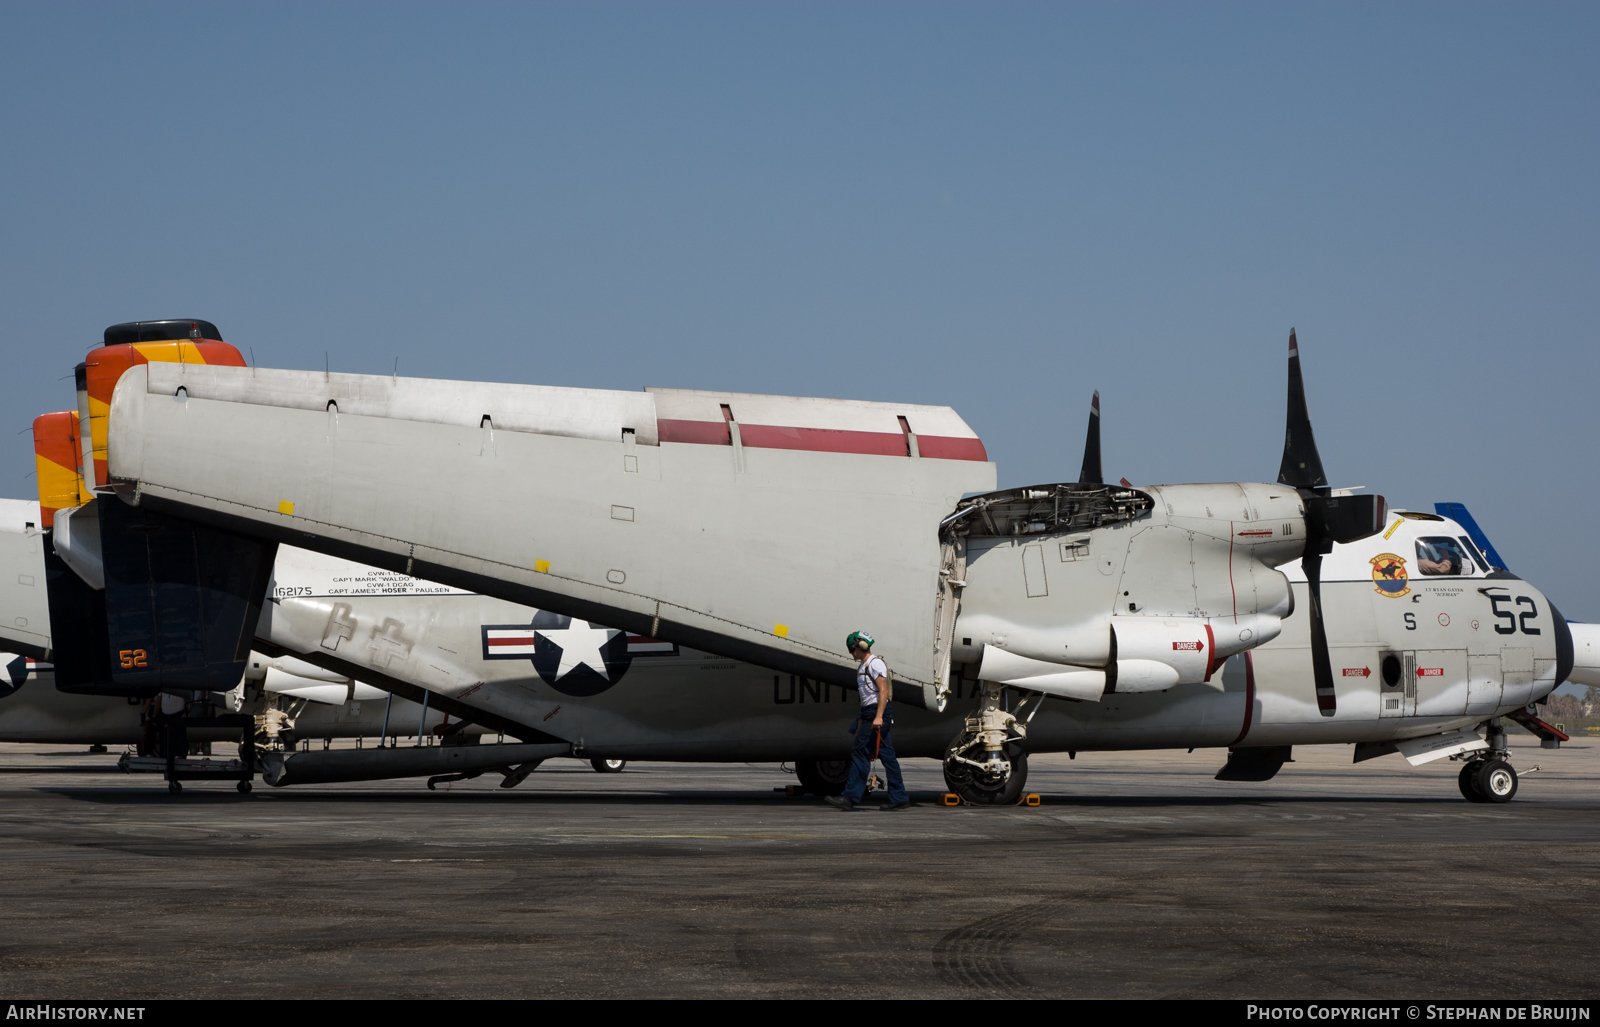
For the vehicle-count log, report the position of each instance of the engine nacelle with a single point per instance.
(1178, 577)
(1184, 648)
(1233, 635)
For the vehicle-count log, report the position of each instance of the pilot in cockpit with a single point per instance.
(1438, 555)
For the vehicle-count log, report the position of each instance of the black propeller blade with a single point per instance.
(1301, 466)
(1091, 473)
(1329, 519)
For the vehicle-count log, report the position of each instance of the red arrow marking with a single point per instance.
(1258, 533)
(1430, 672)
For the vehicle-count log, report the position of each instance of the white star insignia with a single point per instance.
(580, 644)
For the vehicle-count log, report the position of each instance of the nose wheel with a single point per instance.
(989, 787)
(985, 764)
(1491, 780)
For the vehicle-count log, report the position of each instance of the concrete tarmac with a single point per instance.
(1139, 877)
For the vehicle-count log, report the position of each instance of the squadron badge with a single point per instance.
(1389, 574)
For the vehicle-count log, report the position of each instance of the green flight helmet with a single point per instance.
(856, 638)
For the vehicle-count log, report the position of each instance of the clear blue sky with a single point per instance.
(997, 206)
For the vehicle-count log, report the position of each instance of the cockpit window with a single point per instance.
(1441, 555)
(1467, 544)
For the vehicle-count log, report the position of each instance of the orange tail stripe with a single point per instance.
(55, 458)
(106, 365)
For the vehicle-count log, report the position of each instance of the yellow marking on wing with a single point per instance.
(781, 630)
(286, 508)
(542, 566)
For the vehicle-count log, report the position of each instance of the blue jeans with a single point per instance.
(861, 758)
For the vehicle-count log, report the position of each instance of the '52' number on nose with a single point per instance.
(1507, 621)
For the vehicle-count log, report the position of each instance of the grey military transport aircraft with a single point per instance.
(1156, 614)
(596, 690)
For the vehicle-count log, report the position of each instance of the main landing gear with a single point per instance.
(986, 764)
(823, 777)
(1492, 778)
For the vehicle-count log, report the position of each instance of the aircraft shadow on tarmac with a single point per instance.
(219, 796)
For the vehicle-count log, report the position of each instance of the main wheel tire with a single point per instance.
(981, 789)
(1497, 781)
(823, 777)
(1468, 780)
(607, 766)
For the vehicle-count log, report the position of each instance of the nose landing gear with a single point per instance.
(1491, 779)
(986, 764)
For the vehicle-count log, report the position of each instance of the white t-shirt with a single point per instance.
(867, 676)
(171, 704)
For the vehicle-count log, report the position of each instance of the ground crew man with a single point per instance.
(871, 729)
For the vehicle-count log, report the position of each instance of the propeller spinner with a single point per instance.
(1329, 518)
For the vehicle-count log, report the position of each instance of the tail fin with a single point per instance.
(180, 600)
(182, 341)
(1458, 512)
(58, 457)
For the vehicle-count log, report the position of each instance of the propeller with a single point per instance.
(1329, 519)
(1091, 473)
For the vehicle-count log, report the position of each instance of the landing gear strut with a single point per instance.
(986, 764)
